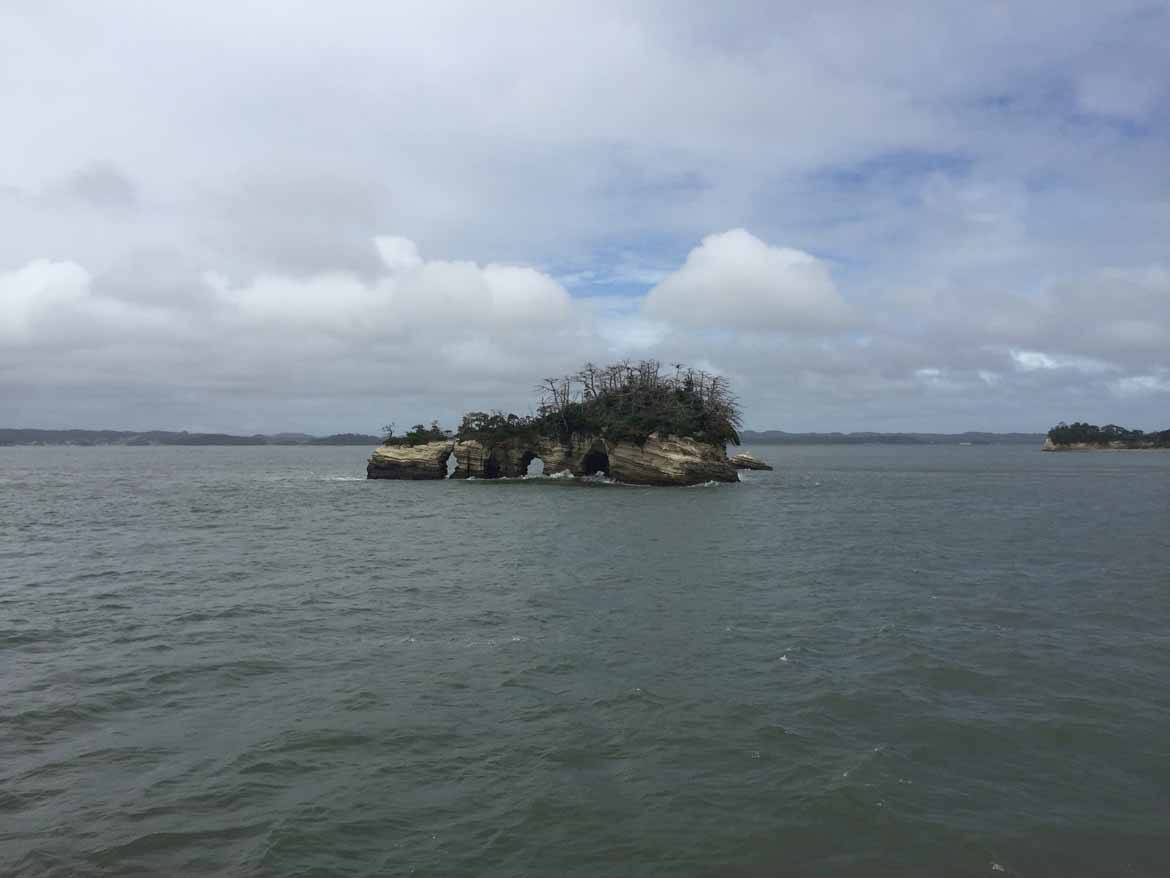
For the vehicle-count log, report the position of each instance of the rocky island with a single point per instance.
(629, 422)
(1080, 436)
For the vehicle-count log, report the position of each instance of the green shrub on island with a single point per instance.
(1109, 436)
(496, 425)
(416, 435)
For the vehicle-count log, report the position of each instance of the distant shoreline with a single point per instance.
(1092, 446)
(88, 438)
(94, 438)
(779, 437)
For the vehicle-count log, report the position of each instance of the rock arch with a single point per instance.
(532, 463)
(596, 460)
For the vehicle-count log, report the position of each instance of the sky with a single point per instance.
(322, 217)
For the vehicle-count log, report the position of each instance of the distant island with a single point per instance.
(1088, 437)
(779, 437)
(633, 422)
(167, 437)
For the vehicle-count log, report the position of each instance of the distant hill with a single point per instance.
(345, 439)
(748, 437)
(166, 437)
(779, 437)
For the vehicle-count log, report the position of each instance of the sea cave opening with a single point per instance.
(491, 467)
(596, 461)
(451, 464)
(534, 465)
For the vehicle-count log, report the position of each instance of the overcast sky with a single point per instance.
(252, 216)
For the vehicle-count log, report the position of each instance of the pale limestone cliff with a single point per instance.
(1049, 445)
(670, 460)
(412, 462)
(659, 460)
(744, 460)
(509, 459)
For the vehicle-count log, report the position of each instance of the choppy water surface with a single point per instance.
(874, 661)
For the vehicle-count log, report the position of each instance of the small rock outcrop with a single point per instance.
(744, 460)
(412, 462)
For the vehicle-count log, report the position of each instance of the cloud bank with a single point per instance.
(433, 336)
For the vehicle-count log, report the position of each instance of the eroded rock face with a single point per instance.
(427, 461)
(658, 461)
(508, 459)
(670, 460)
(743, 460)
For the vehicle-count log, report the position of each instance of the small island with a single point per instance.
(1089, 437)
(630, 422)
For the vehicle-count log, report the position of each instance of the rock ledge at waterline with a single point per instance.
(746, 460)
(659, 460)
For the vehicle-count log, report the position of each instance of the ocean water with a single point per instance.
(873, 661)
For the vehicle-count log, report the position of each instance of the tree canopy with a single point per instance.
(1080, 433)
(419, 434)
(622, 401)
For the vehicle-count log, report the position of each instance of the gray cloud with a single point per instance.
(101, 185)
(295, 223)
(158, 275)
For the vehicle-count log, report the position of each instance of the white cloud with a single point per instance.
(619, 322)
(1142, 385)
(335, 302)
(53, 304)
(30, 295)
(399, 255)
(1031, 361)
(734, 279)
(417, 330)
(412, 293)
